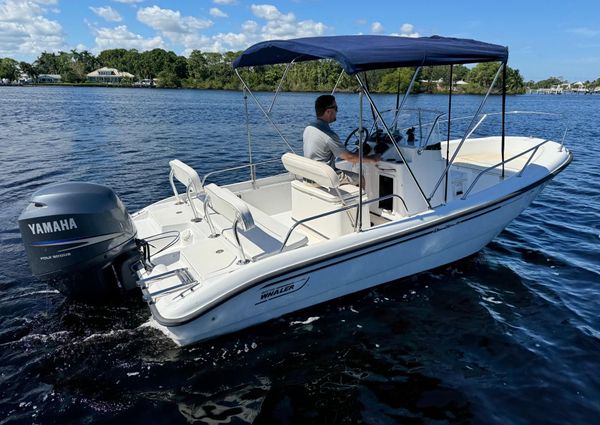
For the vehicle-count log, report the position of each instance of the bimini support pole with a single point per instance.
(503, 112)
(448, 138)
(393, 140)
(252, 170)
(267, 116)
(287, 68)
(405, 97)
(360, 161)
(337, 82)
(467, 134)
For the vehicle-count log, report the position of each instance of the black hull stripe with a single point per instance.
(373, 246)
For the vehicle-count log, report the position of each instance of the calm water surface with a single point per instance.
(510, 335)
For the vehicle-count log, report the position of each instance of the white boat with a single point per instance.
(218, 259)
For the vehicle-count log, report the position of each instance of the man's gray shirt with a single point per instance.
(321, 143)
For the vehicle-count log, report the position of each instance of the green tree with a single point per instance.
(83, 62)
(121, 59)
(389, 81)
(548, 82)
(48, 63)
(197, 66)
(482, 75)
(460, 72)
(514, 81)
(180, 67)
(168, 79)
(28, 69)
(9, 69)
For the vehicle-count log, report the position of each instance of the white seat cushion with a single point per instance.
(224, 202)
(307, 168)
(186, 175)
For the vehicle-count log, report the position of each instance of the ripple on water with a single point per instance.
(508, 335)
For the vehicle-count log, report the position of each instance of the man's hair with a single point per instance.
(323, 102)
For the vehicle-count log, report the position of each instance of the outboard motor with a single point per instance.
(80, 238)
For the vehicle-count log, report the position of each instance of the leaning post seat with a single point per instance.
(187, 176)
(233, 209)
(325, 194)
(254, 233)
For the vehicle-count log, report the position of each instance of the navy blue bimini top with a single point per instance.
(359, 53)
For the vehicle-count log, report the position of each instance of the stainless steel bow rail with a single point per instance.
(471, 129)
(533, 151)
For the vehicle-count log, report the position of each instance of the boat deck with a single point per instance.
(209, 248)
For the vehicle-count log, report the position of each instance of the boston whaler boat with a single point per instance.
(217, 259)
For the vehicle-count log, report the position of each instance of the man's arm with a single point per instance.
(354, 157)
(340, 151)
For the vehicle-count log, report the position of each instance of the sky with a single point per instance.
(545, 38)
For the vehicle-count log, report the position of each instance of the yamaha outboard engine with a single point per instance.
(80, 238)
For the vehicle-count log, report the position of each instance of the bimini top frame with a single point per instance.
(361, 53)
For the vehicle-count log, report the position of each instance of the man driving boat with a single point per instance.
(322, 144)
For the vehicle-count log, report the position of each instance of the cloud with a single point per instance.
(250, 26)
(180, 30)
(376, 28)
(217, 13)
(407, 30)
(121, 37)
(270, 13)
(170, 22)
(128, 1)
(25, 30)
(225, 2)
(280, 25)
(275, 25)
(107, 13)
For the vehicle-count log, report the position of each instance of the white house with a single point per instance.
(108, 75)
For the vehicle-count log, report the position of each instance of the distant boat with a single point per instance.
(218, 259)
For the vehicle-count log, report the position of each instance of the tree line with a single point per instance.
(210, 70)
(556, 81)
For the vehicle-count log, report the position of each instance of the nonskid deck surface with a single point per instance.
(487, 152)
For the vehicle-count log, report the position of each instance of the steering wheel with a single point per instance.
(354, 138)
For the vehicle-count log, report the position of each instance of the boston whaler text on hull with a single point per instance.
(218, 259)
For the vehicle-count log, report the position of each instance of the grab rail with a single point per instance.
(481, 120)
(314, 217)
(239, 167)
(534, 149)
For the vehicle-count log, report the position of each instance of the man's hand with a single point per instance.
(354, 158)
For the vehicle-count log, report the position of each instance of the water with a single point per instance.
(509, 335)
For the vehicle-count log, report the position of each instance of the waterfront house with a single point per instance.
(49, 78)
(24, 78)
(108, 76)
(579, 87)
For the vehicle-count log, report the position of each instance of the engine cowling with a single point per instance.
(80, 238)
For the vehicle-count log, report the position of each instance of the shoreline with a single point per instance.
(119, 86)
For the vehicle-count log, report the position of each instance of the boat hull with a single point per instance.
(353, 271)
